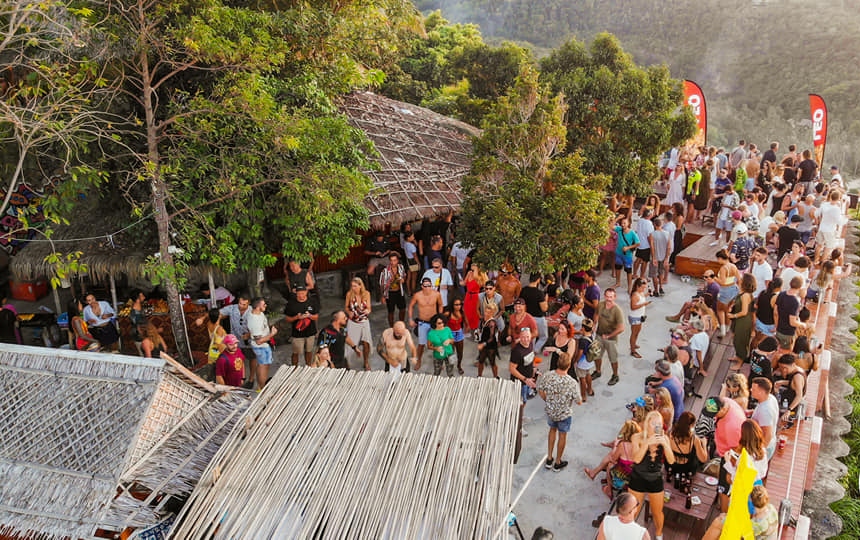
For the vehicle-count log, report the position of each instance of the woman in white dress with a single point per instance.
(677, 179)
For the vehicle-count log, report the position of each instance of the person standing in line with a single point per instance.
(357, 307)
(429, 303)
(522, 369)
(559, 390)
(537, 302)
(661, 250)
(610, 323)
(392, 282)
(638, 302)
(261, 334)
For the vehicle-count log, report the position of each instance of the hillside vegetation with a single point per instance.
(756, 61)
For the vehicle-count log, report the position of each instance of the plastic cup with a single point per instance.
(781, 442)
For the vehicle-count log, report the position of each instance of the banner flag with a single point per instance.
(695, 98)
(818, 110)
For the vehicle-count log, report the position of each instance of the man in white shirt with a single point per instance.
(644, 228)
(766, 413)
(440, 279)
(829, 217)
(836, 177)
(261, 333)
(761, 269)
(699, 343)
(459, 257)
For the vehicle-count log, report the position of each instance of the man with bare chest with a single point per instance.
(508, 285)
(396, 339)
(429, 303)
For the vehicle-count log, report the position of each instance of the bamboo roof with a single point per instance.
(326, 453)
(80, 429)
(423, 156)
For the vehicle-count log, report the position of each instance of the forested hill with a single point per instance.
(755, 60)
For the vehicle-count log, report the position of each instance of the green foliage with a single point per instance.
(521, 202)
(621, 117)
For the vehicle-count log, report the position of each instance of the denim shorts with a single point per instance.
(766, 329)
(263, 354)
(562, 425)
(634, 320)
(458, 336)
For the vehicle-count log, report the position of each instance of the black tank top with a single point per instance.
(763, 309)
(777, 204)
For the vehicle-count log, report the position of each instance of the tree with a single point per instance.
(621, 117)
(522, 201)
(238, 149)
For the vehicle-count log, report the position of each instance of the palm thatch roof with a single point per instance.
(95, 441)
(337, 454)
(423, 156)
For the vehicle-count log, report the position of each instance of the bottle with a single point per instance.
(677, 481)
(689, 502)
(784, 404)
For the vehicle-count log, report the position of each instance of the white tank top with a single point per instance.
(614, 529)
(641, 311)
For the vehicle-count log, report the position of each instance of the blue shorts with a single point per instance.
(623, 262)
(634, 320)
(766, 329)
(562, 425)
(524, 392)
(423, 330)
(458, 335)
(727, 294)
(263, 354)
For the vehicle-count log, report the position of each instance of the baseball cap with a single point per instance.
(230, 339)
(742, 229)
(796, 219)
(737, 214)
(519, 301)
(426, 280)
(712, 406)
(587, 324)
(298, 288)
(663, 368)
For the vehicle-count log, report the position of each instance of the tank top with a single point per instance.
(614, 529)
(455, 324)
(358, 310)
(298, 279)
(763, 310)
(650, 468)
(553, 361)
(777, 204)
(638, 312)
(685, 462)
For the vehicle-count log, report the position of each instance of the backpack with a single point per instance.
(594, 350)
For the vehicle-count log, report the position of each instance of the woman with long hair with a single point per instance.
(357, 308)
(736, 387)
(752, 440)
(678, 220)
(663, 402)
(765, 309)
(638, 301)
(651, 450)
(690, 450)
(459, 325)
(742, 320)
(151, 344)
(562, 342)
(488, 341)
(618, 462)
(84, 341)
(474, 283)
(727, 278)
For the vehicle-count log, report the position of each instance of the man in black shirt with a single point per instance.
(334, 336)
(303, 312)
(522, 369)
(770, 154)
(787, 308)
(536, 306)
(808, 171)
(760, 359)
(378, 250)
(787, 234)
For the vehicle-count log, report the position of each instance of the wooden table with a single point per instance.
(706, 493)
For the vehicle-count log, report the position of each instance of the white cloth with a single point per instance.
(830, 215)
(459, 253)
(767, 414)
(676, 189)
(699, 342)
(788, 273)
(763, 273)
(96, 322)
(644, 228)
(677, 371)
(614, 529)
(438, 280)
(258, 326)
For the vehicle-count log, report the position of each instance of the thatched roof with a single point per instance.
(343, 454)
(80, 428)
(423, 157)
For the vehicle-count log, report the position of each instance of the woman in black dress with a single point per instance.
(650, 448)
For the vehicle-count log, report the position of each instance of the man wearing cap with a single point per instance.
(766, 413)
(238, 315)
(729, 417)
(303, 313)
(610, 323)
(742, 247)
(664, 379)
(429, 302)
(520, 320)
(396, 340)
(836, 177)
(787, 235)
(230, 365)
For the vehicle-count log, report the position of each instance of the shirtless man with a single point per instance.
(429, 303)
(396, 339)
(508, 285)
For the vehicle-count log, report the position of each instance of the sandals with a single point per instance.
(635, 354)
(460, 370)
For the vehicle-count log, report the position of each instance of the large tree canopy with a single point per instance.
(522, 202)
(621, 117)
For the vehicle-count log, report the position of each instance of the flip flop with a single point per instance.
(635, 354)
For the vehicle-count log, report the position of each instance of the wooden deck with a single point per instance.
(698, 257)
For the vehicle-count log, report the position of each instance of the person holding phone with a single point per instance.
(650, 449)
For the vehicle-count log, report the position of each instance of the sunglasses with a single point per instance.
(426, 285)
(676, 336)
(457, 305)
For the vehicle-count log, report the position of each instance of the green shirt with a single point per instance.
(435, 338)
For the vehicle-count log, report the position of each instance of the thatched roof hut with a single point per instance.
(343, 454)
(423, 155)
(96, 441)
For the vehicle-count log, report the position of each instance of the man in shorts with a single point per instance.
(429, 302)
(829, 217)
(729, 417)
(396, 340)
(644, 228)
(559, 390)
(303, 313)
(730, 201)
(261, 334)
(522, 368)
(661, 249)
(787, 308)
(628, 241)
(610, 323)
(392, 282)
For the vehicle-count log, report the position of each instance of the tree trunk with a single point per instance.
(162, 220)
